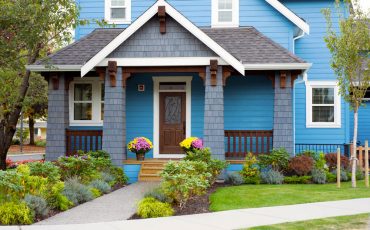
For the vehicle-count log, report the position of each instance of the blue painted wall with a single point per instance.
(132, 172)
(363, 124)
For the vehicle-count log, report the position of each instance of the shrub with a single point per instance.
(321, 162)
(45, 169)
(77, 192)
(185, 179)
(78, 166)
(107, 177)
(297, 179)
(301, 165)
(10, 185)
(95, 192)
(101, 185)
(37, 204)
(314, 155)
(40, 143)
(158, 194)
(318, 176)
(331, 161)
(99, 154)
(56, 199)
(215, 167)
(16, 141)
(250, 171)
(119, 175)
(34, 185)
(331, 177)
(278, 159)
(12, 213)
(25, 134)
(152, 208)
(234, 178)
(272, 176)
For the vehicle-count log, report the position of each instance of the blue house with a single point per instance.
(243, 75)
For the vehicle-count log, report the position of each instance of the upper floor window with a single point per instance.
(118, 11)
(323, 105)
(225, 13)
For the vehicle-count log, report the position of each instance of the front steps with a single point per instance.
(150, 170)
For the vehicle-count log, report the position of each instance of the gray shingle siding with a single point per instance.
(114, 126)
(58, 120)
(283, 115)
(214, 115)
(148, 42)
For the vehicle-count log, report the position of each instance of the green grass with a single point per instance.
(355, 222)
(252, 196)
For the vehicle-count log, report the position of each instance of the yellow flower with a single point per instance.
(186, 143)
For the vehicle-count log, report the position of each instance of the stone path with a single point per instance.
(118, 205)
(233, 219)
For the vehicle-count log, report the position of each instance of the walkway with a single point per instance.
(118, 205)
(234, 219)
(26, 156)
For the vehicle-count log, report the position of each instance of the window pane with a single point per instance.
(118, 13)
(102, 111)
(323, 113)
(102, 92)
(172, 86)
(225, 16)
(118, 2)
(323, 96)
(83, 92)
(82, 111)
(172, 110)
(224, 4)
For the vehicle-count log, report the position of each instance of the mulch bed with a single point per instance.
(26, 149)
(196, 205)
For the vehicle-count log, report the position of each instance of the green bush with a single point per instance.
(76, 192)
(107, 177)
(234, 178)
(185, 179)
(37, 204)
(25, 134)
(152, 208)
(119, 175)
(250, 171)
(272, 176)
(331, 177)
(12, 213)
(10, 185)
(297, 179)
(301, 165)
(56, 199)
(215, 167)
(314, 155)
(278, 159)
(320, 163)
(158, 194)
(319, 176)
(40, 143)
(33, 185)
(99, 154)
(78, 166)
(95, 192)
(45, 169)
(101, 185)
(16, 141)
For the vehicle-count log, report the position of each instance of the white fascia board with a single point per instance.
(53, 68)
(278, 66)
(290, 15)
(146, 17)
(163, 61)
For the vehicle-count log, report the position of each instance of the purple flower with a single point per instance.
(198, 144)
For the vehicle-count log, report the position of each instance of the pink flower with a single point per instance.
(198, 144)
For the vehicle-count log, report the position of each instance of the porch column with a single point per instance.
(114, 125)
(58, 117)
(214, 115)
(283, 113)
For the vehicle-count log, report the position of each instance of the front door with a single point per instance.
(172, 122)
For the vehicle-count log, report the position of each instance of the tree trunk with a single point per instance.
(31, 126)
(354, 149)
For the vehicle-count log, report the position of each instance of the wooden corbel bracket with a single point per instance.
(225, 75)
(112, 71)
(162, 19)
(55, 81)
(272, 78)
(67, 81)
(125, 76)
(282, 79)
(213, 69)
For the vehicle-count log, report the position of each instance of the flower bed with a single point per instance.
(33, 191)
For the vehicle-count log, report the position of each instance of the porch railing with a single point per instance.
(85, 140)
(239, 142)
(325, 148)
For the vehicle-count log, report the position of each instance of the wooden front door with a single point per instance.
(172, 122)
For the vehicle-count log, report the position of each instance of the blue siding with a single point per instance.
(249, 103)
(363, 124)
(234, 167)
(132, 172)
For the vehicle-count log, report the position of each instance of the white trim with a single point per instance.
(163, 61)
(53, 68)
(278, 66)
(290, 15)
(156, 81)
(146, 17)
(337, 104)
(107, 13)
(235, 15)
(95, 100)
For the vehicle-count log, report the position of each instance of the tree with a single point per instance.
(28, 30)
(350, 48)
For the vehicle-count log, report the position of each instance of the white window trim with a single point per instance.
(96, 102)
(107, 13)
(157, 81)
(337, 104)
(235, 15)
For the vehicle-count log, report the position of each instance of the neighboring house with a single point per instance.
(244, 75)
(39, 131)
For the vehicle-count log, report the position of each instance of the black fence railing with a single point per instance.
(326, 148)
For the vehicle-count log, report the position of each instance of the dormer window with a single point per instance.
(225, 13)
(118, 11)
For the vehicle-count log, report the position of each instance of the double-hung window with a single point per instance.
(118, 11)
(86, 102)
(225, 13)
(323, 105)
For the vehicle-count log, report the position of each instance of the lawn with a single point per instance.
(252, 196)
(355, 222)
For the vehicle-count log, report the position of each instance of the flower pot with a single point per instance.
(140, 156)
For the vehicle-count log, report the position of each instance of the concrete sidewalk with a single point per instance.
(234, 219)
(26, 156)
